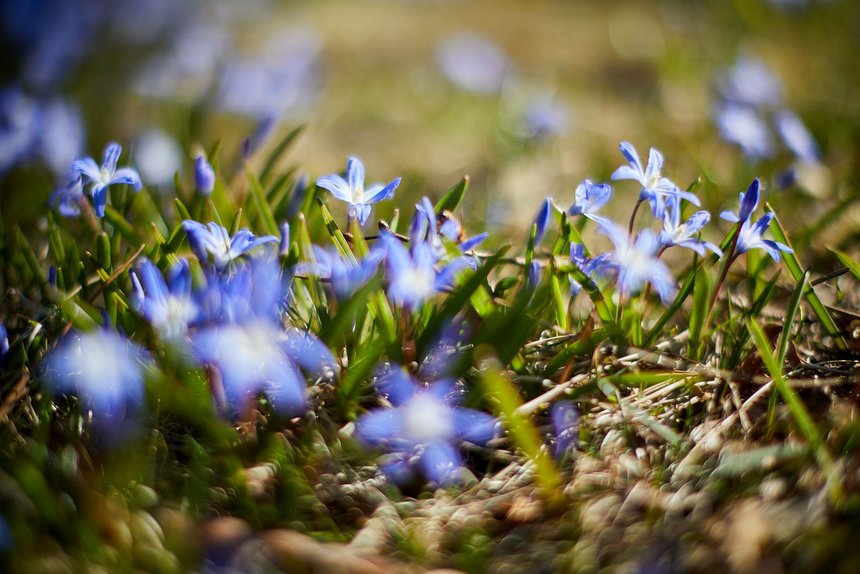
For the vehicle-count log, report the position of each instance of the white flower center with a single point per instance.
(427, 419)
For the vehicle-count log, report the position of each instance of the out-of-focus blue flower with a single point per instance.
(565, 426)
(250, 359)
(253, 291)
(546, 116)
(424, 429)
(750, 234)
(745, 127)
(542, 219)
(655, 187)
(4, 342)
(589, 198)
(105, 370)
(796, 137)
(212, 242)
(158, 157)
(473, 63)
(61, 134)
(750, 82)
(684, 234)
(167, 305)
(636, 262)
(535, 272)
(412, 273)
(351, 190)
(101, 178)
(18, 127)
(346, 277)
(282, 79)
(67, 199)
(204, 176)
(452, 229)
(590, 266)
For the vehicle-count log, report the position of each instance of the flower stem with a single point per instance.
(633, 217)
(723, 274)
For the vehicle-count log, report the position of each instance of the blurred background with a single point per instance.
(527, 98)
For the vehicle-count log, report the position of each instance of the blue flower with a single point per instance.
(66, 199)
(204, 176)
(250, 359)
(796, 137)
(751, 83)
(424, 429)
(684, 234)
(636, 262)
(212, 242)
(542, 219)
(589, 266)
(253, 291)
(351, 190)
(748, 202)
(167, 305)
(565, 426)
(750, 234)
(412, 274)
(104, 369)
(589, 198)
(4, 342)
(655, 187)
(473, 63)
(545, 116)
(346, 277)
(101, 178)
(745, 127)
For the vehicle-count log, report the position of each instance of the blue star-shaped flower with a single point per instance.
(351, 190)
(102, 177)
(212, 242)
(750, 234)
(424, 428)
(655, 187)
(589, 198)
(684, 234)
(167, 305)
(636, 262)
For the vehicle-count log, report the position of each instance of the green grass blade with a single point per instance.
(794, 267)
(278, 151)
(452, 198)
(269, 224)
(790, 314)
(848, 262)
(505, 401)
(801, 416)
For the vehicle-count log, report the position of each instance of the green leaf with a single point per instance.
(701, 297)
(269, 224)
(122, 225)
(278, 151)
(801, 416)
(452, 198)
(848, 262)
(505, 401)
(790, 314)
(794, 267)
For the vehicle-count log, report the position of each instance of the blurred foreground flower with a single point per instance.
(424, 429)
(102, 177)
(636, 262)
(167, 305)
(104, 369)
(351, 190)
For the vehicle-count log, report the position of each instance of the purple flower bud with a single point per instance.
(204, 176)
(565, 426)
